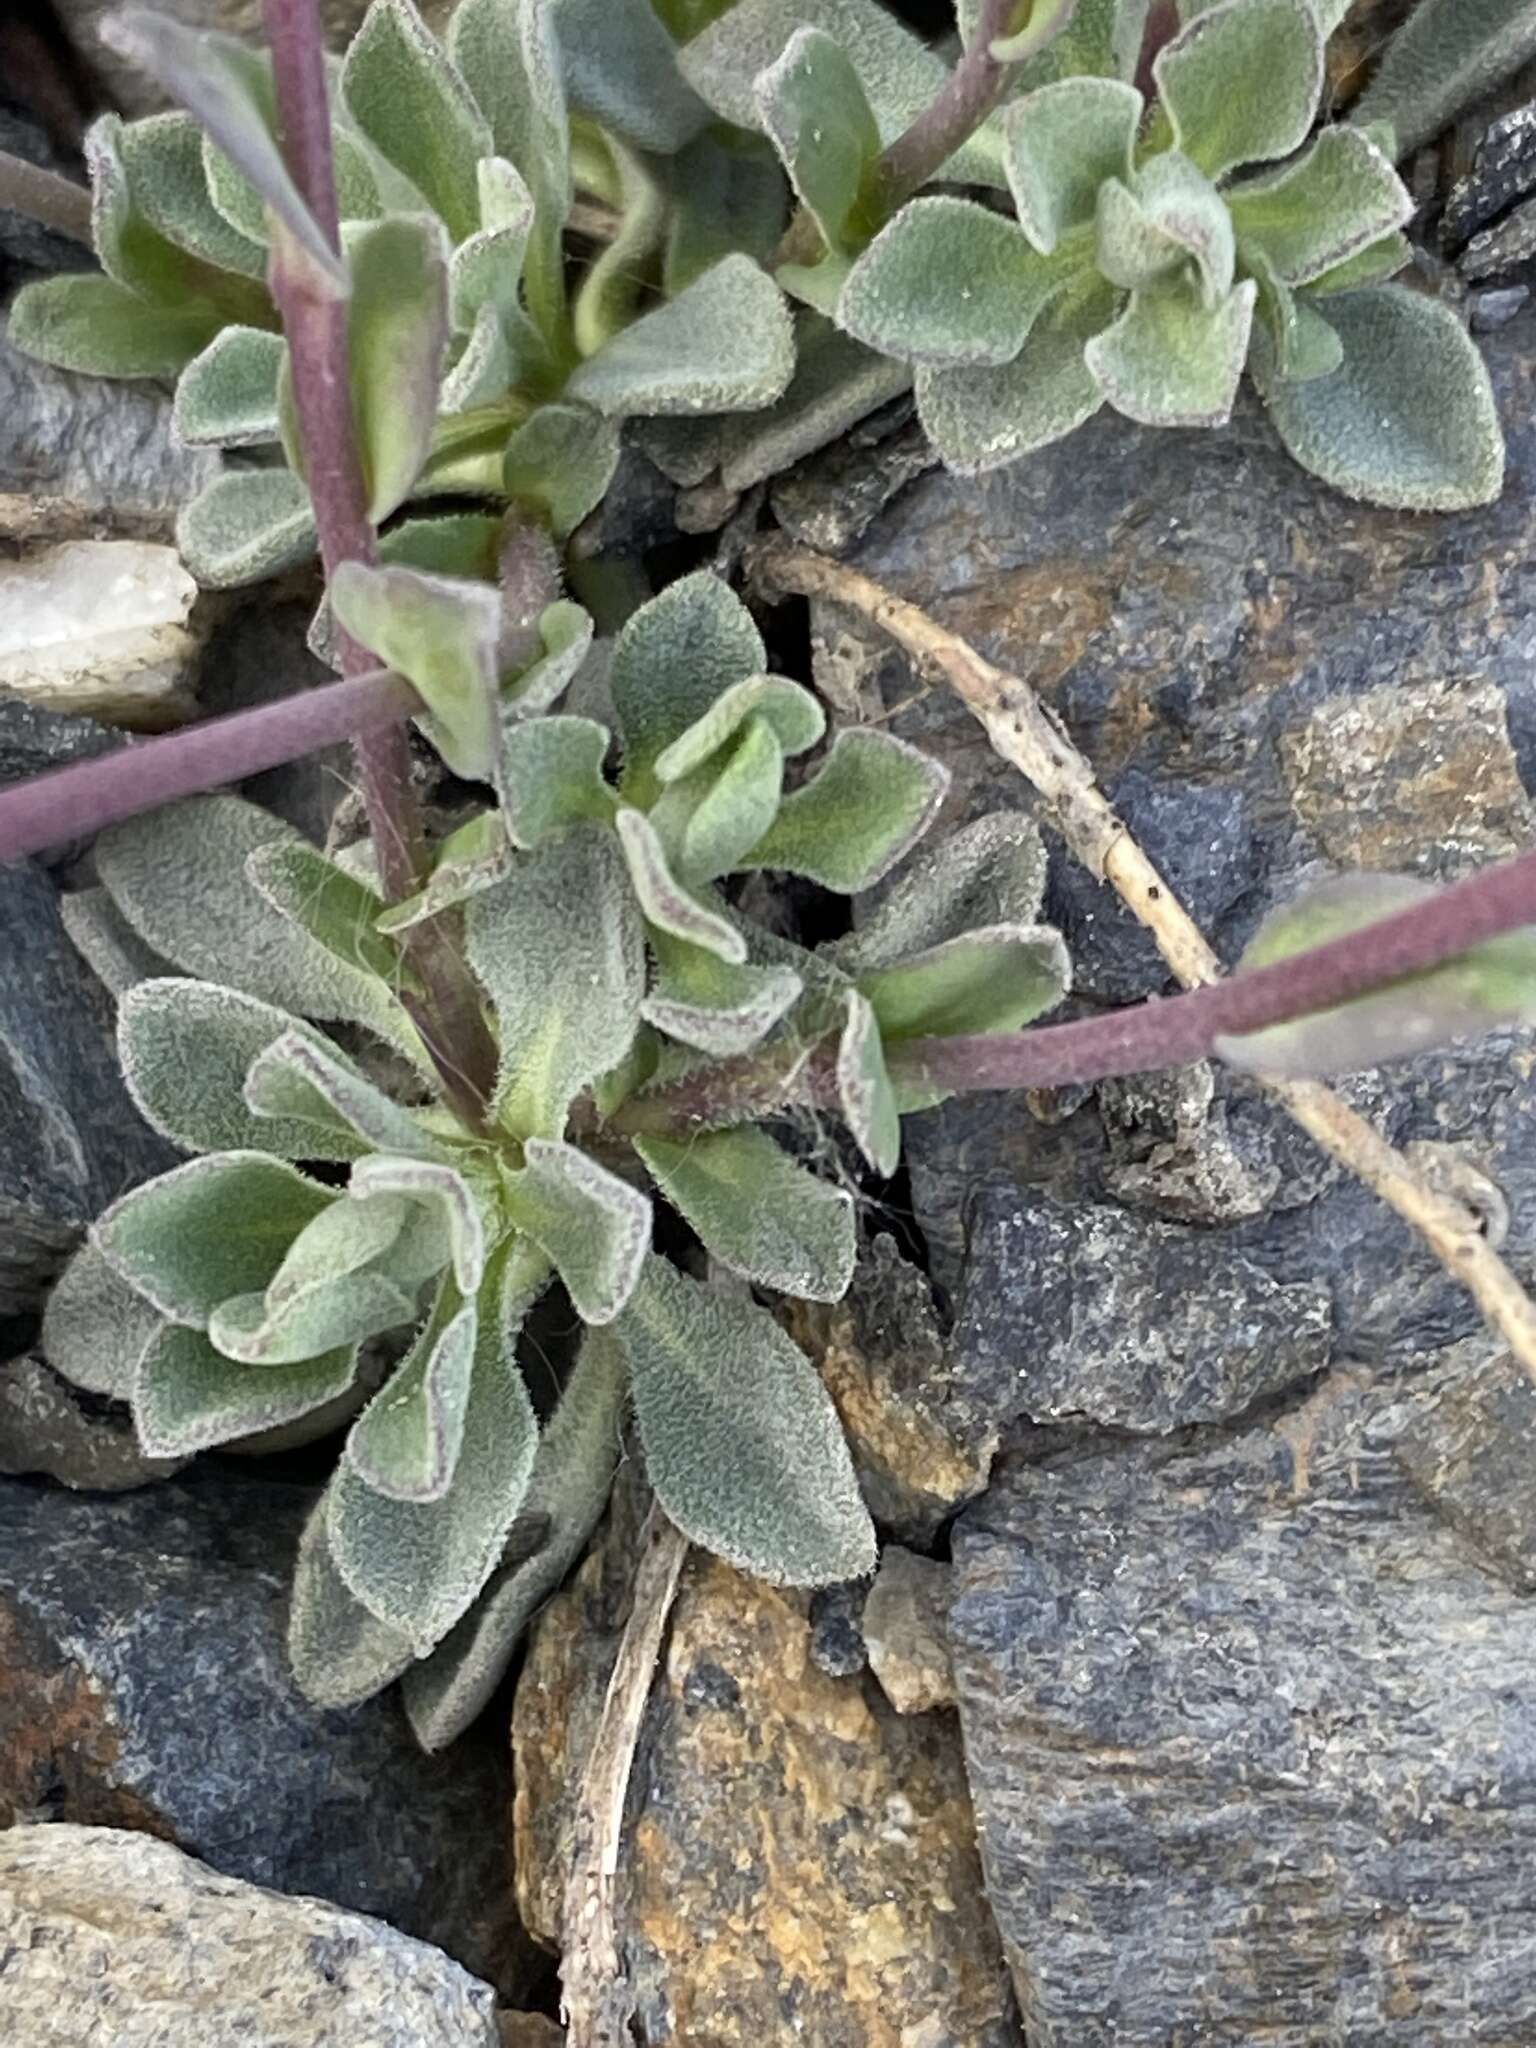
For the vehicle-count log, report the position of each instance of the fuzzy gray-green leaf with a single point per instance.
(789, 709)
(227, 396)
(872, 799)
(620, 67)
(1168, 219)
(595, 1227)
(979, 419)
(864, 1089)
(340, 1653)
(813, 106)
(714, 816)
(397, 336)
(163, 160)
(674, 658)
(246, 525)
(667, 902)
(947, 281)
(189, 1397)
(1340, 198)
(416, 110)
(298, 1078)
(95, 1326)
(1241, 83)
(725, 344)
(837, 382)
(719, 1006)
(559, 463)
(342, 1310)
(100, 328)
(1442, 59)
(1409, 419)
(990, 872)
(757, 1211)
(106, 941)
(742, 1443)
(406, 1442)
(1061, 144)
(558, 948)
(441, 1188)
(1172, 361)
(996, 978)
(442, 636)
(204, 1231)
(552, 778)
(335, 907)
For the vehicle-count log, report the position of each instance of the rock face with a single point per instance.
(1249, 1731)
(101, 628)
(143, 1684)
(114, 1937)
(83, 1441)
(799, 1862)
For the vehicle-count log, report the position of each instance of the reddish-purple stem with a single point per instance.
(952, 117)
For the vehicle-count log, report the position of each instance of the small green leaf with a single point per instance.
(990, 872)
(106, 941)
(742, 1443)
(1171, 218)
(837, 382)
(416, 110)
(552, 776)
(1445, 57)
(487, 270)
(475, 857)
(726, 344)
(714, 816)
(298, 1078)
(1291, 338)
(406, 1442)
(664, 900)
(397, 339)
(162, 158)
(1171, 361)
(757, 1211)
(336, 1310)
(1484, 989)
(1410, 417)
(336, 908)
(996, 978)
(95, 1326)
(794, 715)
(188, 1397)
(980, 419)
(871, 801)
(727, 193)
(1242, 82)
(185, 1048)
(341, 1655)
(442, 635)
(621, 68)
(433, 1185)
(345, 1237)
(1061, 144)
(245, 526)
(864, 1087)
(480, 371)
(227, 396)
(1374, 265)
(206, 1230)
(948, 281)
(674, 658)
(595, 1227)
(567, 1491)
(1341, 198)
(720, 1007)
(99, 328)
(417, 1565)
(559, 463)
(454, 544)
(558, 948)
(812, 106)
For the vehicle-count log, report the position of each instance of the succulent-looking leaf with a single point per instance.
(297, 1077)
(1373, 265)
(719, 1007)
(1291, 339)
(212, 1228)
(246, 525)
(95, 1326)
(227, 396)
(482, 370)
(442, 636)
(106, 941)
(345, 1237)
(188, 1397)
(980, 419)
(864, 1087)
(186, 1047)
(794, 715)
(228, 87)
(179, 876)
(1170, 220)
(1443, 58)
(417, 1565)
(406, 1442)
(725, 344)
(948, 281)
(567, 1491)
(1491, 985)
(559, 463)
(872, 799)
(1242, 81)
(595, 1228)
(1171, 361)
(397, 335)
(1061, 145)
(813, 107)
(714, 816)
(757, 1211)
(162, 158)
(558, 947)
(454, 544)
(416, 110)
(487, 269)
(742, 1443)
(440, 1188)
(621, 68)
(475, 857)
(342, 1309)
(990, 872)
(552, 778)
(1342, 197)
(338, 910)
(1369, 430)
(100, 328)
(837, 382)
(996, 978)
(674, 658)
(666, 903)
(340, 1653)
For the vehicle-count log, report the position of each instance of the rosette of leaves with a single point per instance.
(334, 1209)
(1151, 257)
(474, 368)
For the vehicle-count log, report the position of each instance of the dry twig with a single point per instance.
(1028, 736)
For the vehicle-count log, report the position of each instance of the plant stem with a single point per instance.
(952, 117)
(43, 196)
(84, 797)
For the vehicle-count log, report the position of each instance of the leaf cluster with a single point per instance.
(342, 1248)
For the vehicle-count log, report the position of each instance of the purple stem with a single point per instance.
(85, 796)
(952, 117)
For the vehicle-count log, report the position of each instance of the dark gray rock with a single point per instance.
(48, 1426)
(1504, 247)
(1083, 1311)
(1251, 1739)
(32, 739)
(1471, 1446)
(1496, 307)
(832, 499)
(1503, 171)
(71, 1139)
(144, 1684)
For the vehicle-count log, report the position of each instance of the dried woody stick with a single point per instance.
(1027, 735)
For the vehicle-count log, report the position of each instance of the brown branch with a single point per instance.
(43, 196)
(596, 1996)
(1030, 739)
